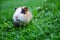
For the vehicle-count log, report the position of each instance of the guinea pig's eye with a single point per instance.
(23, 11)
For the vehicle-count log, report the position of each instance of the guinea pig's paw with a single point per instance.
(16, 24)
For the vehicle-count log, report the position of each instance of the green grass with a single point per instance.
(45, 25)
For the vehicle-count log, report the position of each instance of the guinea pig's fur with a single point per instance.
(22, 16)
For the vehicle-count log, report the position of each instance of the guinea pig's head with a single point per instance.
(22, 9)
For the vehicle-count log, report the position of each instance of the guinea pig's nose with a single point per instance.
(16, 17)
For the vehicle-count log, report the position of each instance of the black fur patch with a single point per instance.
(23, 11)
(15, 9)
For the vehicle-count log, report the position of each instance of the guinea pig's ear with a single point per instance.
(25, 9)
(15, 8)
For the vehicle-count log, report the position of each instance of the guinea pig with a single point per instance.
(22, 16)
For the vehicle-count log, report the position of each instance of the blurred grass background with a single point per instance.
(45, 25)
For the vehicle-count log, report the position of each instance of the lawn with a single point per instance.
(45, 24)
